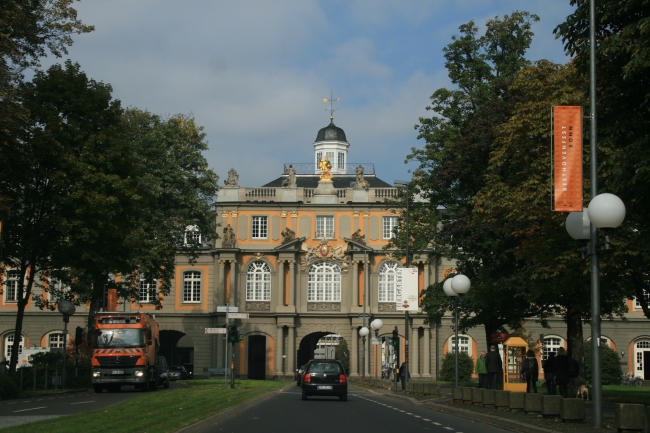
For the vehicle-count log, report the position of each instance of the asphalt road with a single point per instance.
(14, 412)
(363, 412)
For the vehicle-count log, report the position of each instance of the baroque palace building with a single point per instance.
(304, 256)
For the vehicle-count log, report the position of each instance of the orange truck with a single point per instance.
(125, 351)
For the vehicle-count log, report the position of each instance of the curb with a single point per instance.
(488, 419)
(228, 413)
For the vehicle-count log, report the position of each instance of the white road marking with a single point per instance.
(424, 419)
(436, 423)
(448, 428)
(82, 402)
(34, 408)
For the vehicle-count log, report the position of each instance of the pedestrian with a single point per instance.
(562, 371)
(494, 366)
(549, 373)
(530, 371)
(481, 370)
(402, 375)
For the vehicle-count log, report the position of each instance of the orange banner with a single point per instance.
(567, 159)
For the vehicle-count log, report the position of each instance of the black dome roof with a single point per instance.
(331, 133)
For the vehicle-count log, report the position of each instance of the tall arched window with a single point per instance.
(464, 344)
(9, 342)
(387, 274)
(324, 283)
(258, 282)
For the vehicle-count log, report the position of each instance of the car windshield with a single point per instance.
(120, 338)
(325, 367)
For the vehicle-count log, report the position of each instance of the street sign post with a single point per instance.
(238, 315)
(226, 309)
(215, 330)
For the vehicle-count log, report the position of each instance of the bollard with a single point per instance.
(477, 396)
(501, 399)
(457, 393)
(467, 394)
(516, 401)
(572, 410)
(533, 403)
(629, 417)
(488, 398)
(551, 405)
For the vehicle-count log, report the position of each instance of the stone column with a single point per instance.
(366, 358)
(414, 354)
(222, 283)
(426, 349)
(427, 275)
(281, 282)
(355, 284)
(354, 353)
(279, 347)
(291, 351)
(292, 282)
(233, 284)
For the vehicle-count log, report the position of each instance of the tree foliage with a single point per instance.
(610, 362)
(452, 168)
(623, 113)
(448, 368)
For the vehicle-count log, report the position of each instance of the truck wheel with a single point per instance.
(166, 384)
(98, 389)
(144, 387)
(153, 385)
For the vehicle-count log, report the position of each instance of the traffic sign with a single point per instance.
(215, 330)
(238, 315)
(222, 309)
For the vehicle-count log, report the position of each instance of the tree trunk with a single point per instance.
(23, 298)
(575, 338)
(489, 330)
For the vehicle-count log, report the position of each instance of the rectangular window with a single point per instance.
(146, 290)
(192, 286)
(388, 225)
(11, 286)
(637, 303)
(192, 236)
(56, 341)
(260, 227)
(319, 155)
(341, 161)
(324, 227)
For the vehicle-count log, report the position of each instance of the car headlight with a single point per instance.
(97, 373)
(139, 373)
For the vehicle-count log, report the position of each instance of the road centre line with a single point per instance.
(448, 428)
(436, 423)
(82, 402)
(34, 408)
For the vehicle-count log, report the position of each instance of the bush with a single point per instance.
(8, 387)
(448, 369)
(610, 361)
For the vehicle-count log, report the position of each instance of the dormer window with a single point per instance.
(192, 236)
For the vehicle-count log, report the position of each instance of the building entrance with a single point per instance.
(324, 345)
(257, 357)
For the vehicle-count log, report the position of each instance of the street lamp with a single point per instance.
(67, 309)
(376, 326)
(605, 212)
(363, 332)
(454, 287)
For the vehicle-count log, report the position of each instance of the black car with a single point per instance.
(325, 377)
(178, 372)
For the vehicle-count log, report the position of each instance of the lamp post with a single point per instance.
(363, 332)
(67, 309)
(605, 212)
(454, 287)
(376, 326)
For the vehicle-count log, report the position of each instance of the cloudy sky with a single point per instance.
(254, 73)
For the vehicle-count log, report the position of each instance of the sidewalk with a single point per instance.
(517, 421)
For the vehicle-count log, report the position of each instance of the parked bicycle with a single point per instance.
(631, 380)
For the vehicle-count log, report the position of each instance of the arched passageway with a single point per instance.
(176, 347)
(323, 345)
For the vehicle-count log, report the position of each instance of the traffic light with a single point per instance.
(233, 335)
(395, 340)
(78, 336)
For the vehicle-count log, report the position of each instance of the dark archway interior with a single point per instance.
(257, 357)
(308, 345)
(174, 353)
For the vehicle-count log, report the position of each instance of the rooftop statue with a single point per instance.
(325, 166)
(361, 182)
(287, 235)
(233, 178)
(228, 237)
(290, 181)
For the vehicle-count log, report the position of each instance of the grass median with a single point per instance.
(626, 394)
(158, 412)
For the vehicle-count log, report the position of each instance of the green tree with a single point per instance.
(623, 109)
(343, 354)
(452, 168)
(67, 111)
(610, 361)
(448, 368)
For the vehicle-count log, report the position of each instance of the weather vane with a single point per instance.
(331, 100)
